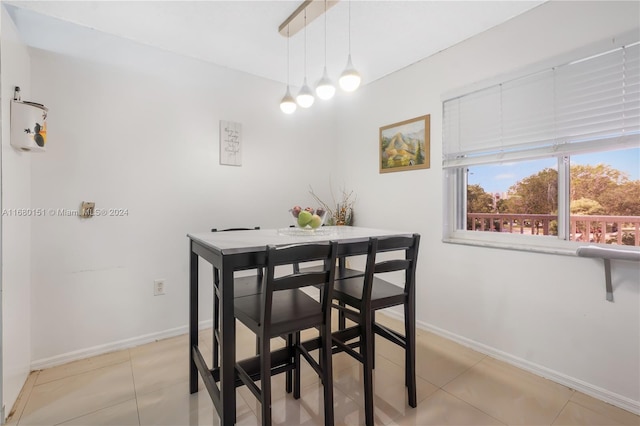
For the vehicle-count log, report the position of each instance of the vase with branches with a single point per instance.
(340, 212)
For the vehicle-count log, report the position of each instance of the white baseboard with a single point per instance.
(555, 376)
(114, 346)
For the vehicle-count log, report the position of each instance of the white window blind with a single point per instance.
(572, 108)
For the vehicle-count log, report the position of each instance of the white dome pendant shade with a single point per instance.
(305, 97)
(288, 104)
(325, 88)
(350, 78)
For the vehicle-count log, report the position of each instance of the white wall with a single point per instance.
(546, 313)
(146, 140)
(16, 231)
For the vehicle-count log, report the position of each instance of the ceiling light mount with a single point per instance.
(296, 21)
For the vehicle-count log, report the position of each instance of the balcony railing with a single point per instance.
(622, 230)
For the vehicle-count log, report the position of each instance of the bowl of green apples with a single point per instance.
(308, 218)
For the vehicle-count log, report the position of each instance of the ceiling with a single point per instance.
(243, 35)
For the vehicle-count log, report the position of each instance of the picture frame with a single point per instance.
(230, 143)
(406, 145)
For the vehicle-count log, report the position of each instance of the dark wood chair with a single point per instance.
(358, 299)
(342, 272)
(283, 309)
(242, 286)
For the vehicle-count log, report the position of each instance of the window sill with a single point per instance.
(544, 245)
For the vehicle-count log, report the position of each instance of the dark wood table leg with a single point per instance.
(193, 318)
(228, 347)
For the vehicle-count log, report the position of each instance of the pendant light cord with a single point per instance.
(288, 65)
(305, 43)
(349, 27)
(325, 33)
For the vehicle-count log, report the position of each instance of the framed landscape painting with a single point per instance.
(405, 145)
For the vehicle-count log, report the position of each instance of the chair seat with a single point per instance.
(292, 309)
(247, 286)
(383, 293)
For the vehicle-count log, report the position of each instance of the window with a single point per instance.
(548, 160)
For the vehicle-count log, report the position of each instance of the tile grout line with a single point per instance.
(334, 401)
(135, 391)
(477, 408)
(91, 412)
(102, 408)
(441, 388)
(26, 401)
(484, 357)
(465, 371)
(80, 373)
(573, 392)
(595, 410)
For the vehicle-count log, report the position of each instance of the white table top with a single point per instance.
(230, 242)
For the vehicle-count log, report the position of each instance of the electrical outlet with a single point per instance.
(158, 287)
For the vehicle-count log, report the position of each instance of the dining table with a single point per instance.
(233, 251)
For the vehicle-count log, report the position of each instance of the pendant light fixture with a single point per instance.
(288, 104)
(305, 97)
(325, 88)
(350, 78)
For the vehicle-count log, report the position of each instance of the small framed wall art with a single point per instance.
(405, 145)
(230, 143)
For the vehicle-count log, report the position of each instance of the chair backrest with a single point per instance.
(290, 256)
(216, 273)
(233, 229)
(407, 263)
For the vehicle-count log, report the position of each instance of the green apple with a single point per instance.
(304, 218)
(316, 221)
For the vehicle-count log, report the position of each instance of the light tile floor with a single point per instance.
(148, 385)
